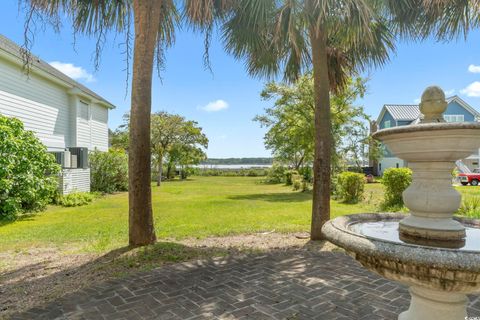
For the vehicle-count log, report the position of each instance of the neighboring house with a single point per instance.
(66, 116)
(393, 115)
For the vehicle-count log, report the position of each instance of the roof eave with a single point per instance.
(18, 61)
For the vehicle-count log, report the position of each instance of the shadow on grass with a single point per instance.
(276, 197)
(22, 217)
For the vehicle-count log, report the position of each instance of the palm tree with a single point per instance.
(335, 37)
(154, 23)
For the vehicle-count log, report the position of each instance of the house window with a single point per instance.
(83, 112)
(454, 117)
(386, 124)
(397, 164)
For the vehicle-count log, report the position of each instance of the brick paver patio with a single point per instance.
(298, 285)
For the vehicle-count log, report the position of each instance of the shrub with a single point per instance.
(76, 199)
(288, 176)
(28, 173)
(297, 182)
(276, 174)
(109, 171)
(470, 207)
(395, 180)
(351, 186)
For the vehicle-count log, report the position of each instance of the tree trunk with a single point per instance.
(169, 170)
(323, 138)
(160, 170)
(146, 20)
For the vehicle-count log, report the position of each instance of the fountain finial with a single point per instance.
(433, 104)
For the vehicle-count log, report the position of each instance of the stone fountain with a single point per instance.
(435, 254)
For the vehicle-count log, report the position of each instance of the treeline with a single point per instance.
(215, 161)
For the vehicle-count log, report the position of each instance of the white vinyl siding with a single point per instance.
(99, 127)
(74, 180)
(41, 105)
(83, 125)
(454, 117)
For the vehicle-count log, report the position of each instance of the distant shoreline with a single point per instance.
(260, 162)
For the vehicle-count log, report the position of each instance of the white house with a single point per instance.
(393, 115)
(66, 116)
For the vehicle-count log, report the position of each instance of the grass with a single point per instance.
(200, 207)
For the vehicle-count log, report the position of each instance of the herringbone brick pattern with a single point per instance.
(299, 285)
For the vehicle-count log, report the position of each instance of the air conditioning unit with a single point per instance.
(81, 155)
(63, 158)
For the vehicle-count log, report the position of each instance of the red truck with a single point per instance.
(472, 178)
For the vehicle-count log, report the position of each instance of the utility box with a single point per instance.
(81, 154)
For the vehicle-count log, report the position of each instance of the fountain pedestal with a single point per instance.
(432, 201)
(435, 305)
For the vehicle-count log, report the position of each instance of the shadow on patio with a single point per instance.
(283, 284)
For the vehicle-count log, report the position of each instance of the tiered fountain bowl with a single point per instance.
(435, 254)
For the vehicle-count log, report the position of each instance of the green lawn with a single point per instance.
(200, 207)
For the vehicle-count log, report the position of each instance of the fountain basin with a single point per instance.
(436, 268)
(432, 141)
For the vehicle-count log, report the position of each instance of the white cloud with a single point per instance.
(473, 68)
(472, 90)
(215, 106)
(449, 92)
(417, 101)
(74, 72)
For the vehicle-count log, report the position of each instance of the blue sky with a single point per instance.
(225, 102)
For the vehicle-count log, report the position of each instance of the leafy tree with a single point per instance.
(291, 121)
(119, 139)
(154, 23)
(28, 173)
(179, 139)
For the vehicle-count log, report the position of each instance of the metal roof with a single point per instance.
(407, 112)
(12, 48)
(411, 112)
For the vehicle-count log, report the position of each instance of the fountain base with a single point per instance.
(429, 304)
(432, 228)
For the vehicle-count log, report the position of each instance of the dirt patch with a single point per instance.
(39, 275)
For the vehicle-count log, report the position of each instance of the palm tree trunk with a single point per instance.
(323, 138)
(146, 20)
(160, 170)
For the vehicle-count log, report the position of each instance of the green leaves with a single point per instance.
(290, 121)
(28, 173)
(109, 171)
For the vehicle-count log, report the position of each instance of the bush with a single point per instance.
(276, 174)
(28, 173)
(109, 171)
(307, 173)
(76, 199)
(395, 180)
(470, 207)
(296, 182)
(289, 174)
(351, 186)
